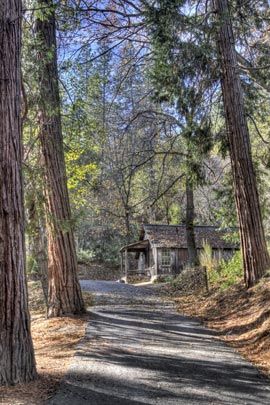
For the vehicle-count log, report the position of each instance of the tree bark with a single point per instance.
(17, 363)
(193, 259)
(38, 247)
(253, 245)
(64, 293)
(39, 254)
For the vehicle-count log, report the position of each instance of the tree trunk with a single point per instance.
(255, 256)
(64, 293)
(38, 247)
(17, 363)
(193, 259)
(39, 254)
(152, 184)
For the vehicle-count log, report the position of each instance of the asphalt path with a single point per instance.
(139, 350)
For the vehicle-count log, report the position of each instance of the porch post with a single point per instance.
(126, 263)
(155, 255)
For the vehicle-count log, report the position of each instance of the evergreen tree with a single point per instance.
(17, 363)
(64, 293)
(256, 259)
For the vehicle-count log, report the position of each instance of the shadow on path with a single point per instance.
(146, 355)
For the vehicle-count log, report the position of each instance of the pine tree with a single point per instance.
(256, 259)
(64, 293)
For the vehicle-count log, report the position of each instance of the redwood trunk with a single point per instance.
(64, 293)
(17, 362)
(193, 259)
(255, 256)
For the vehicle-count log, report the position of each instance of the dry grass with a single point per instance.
(55, 343)
(241, 316)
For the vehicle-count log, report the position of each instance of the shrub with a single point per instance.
(221, 273)
(85, 256)
(231, 271)
(227, 273)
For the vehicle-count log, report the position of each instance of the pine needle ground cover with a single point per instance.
(55, 343)
(241, 316)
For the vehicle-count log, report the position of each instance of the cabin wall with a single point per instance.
(182, 258)
(178, 260)
(225, 254)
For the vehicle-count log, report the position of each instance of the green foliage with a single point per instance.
(175, 214)
(104, 248)
(225, 212)
(229, 272)
(85, 256)
(108, 251)
(221, 273)
(123, 149)
(208, 260)
(31, 265)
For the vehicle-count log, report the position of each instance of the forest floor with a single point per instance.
(54, 341)
(241, 317)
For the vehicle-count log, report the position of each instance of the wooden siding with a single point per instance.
(175, 265)
(182, 258)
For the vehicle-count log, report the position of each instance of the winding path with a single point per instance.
(139, 350)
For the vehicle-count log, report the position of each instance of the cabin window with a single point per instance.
(166, 257)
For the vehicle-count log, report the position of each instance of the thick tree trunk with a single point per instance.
(193, 259)
(17, 362)
(255, 256)
(64, 295)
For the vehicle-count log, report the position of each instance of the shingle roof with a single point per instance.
(175, 236)
(136, 246)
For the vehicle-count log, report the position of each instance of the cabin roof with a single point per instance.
(136, 246)
(174, 236)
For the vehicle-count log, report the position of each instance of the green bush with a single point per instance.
(221, 273)
(229, 272)
(85, 256)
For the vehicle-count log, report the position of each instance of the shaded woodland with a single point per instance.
(116, 113)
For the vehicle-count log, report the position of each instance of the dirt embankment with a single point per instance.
(241, 316)
(54, 343)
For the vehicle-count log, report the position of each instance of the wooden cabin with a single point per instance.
(162, 249)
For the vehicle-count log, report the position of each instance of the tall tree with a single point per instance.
(193, 258)
(17, 362)
(255, 256)
(64, 293)
(184, 78)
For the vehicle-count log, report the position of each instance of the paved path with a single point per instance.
(138, 350)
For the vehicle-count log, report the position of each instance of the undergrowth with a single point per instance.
(221, 273)
(228, 272)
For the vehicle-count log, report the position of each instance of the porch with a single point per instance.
(137, 260)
